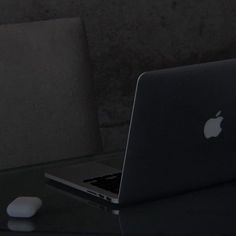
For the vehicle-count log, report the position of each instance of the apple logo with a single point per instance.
(212, 127)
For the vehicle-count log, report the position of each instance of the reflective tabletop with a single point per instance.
(209, 211)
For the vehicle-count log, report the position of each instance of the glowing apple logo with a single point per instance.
(212, 127)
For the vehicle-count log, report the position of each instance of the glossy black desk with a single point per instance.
(209, 211)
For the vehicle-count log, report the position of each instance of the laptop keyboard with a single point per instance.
(110, 183)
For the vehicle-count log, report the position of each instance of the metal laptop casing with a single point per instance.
(167, 152)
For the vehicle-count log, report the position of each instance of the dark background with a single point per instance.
(132, 36)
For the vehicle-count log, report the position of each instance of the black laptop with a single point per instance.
(182, 137)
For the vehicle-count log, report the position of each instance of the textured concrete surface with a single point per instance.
(129, 37)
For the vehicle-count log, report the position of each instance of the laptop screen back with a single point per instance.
(182, 134)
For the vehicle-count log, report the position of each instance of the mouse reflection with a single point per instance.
(21, 225)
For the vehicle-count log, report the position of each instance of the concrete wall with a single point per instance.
(132, 36)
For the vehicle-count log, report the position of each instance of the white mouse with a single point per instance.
(24, 207)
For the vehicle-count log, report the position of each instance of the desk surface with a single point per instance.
(209, 211)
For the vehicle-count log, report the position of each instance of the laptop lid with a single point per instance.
(182, 133)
